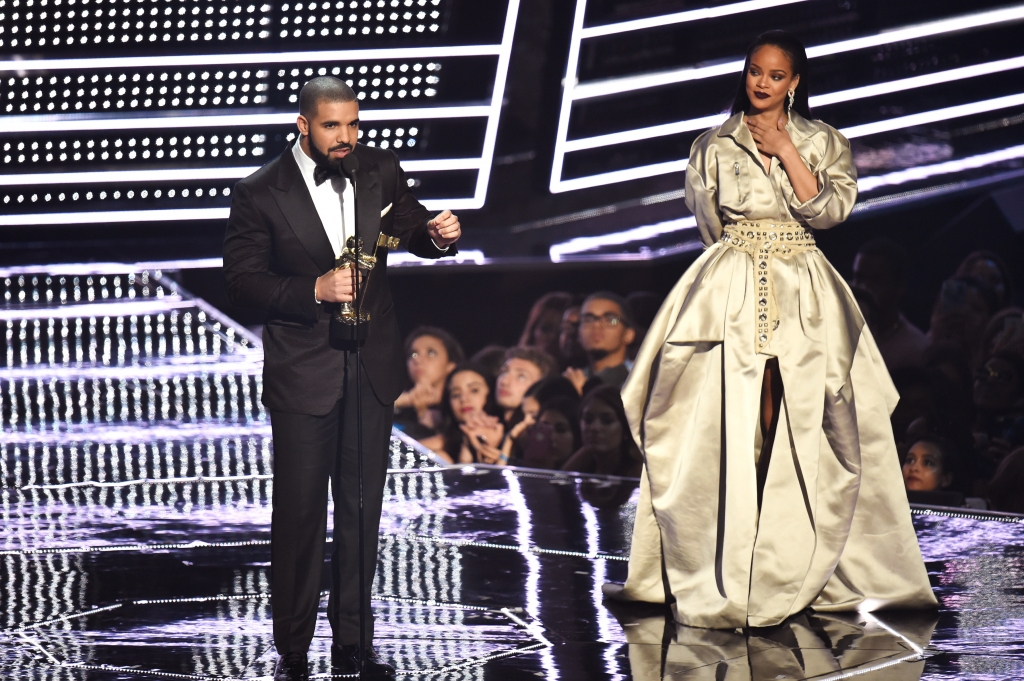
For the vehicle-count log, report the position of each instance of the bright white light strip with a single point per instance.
(189, 174)
(191, 119)
(590, 243)
(867, 184)
(100, 217)
(626, 84)
(573, 91)
(682, 17)
(256, 58)
(87, 268)
(216, 366)
(815, 101)
(118, 309)
(172, 214)
(404, 258)
(934, 116)
(621, 175)
(941, 77)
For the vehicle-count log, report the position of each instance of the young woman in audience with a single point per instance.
(960, 314)
(555, 436)
(545, 322)
(430, 355)
(608, 447)
(468, 416)
(930, 465)
(999, 400)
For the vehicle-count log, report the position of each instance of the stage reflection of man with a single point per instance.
(289, 221)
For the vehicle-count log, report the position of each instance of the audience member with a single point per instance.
(999, 400)
(608, 447)
(645, 306)
(991, 269)
(960, 314)
(880, 269)
(570, 352)
(545, 390)
(522, 368)
(469, 416)
(1006, 490)
(555, 437)
(544, 324)
(1005, 332)
(930, 465)
(606, 330)
(490, 358)
(430, 355)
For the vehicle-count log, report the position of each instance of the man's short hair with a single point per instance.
(538, 358)
(625, 310)
(892, 254)
(323, 89)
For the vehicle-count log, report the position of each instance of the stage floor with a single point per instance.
(135, 538)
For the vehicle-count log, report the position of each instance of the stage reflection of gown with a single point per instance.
(807, 646)
(834, 530)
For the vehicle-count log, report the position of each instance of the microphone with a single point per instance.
(350, 165)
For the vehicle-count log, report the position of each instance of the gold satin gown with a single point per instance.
(834, 529)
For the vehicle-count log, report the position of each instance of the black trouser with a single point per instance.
(309, 451)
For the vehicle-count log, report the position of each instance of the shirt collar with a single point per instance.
(799, 129)
(305, 163)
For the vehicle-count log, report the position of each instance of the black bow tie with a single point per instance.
(322, 173)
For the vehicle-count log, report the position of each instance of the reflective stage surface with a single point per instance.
(136, 467)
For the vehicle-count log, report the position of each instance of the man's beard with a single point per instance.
(325, 160)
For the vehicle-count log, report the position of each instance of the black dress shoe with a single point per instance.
(292, 667)
(345, 660)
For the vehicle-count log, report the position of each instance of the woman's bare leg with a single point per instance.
(771, 399)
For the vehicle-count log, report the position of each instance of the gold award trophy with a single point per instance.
(349, 323)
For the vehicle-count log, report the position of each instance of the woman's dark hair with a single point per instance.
(610, 395)
(449, 427)
(454, 349)
(552, 387)
(794, 49)
(556, 301)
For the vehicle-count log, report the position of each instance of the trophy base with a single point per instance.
(346, 334)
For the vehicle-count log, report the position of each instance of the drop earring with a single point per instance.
(792, 96)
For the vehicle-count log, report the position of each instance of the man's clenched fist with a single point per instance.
(444, 229)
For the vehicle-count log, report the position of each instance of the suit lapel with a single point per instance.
(296, 204)
(368, 202)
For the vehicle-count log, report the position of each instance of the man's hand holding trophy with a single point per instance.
(348, 323)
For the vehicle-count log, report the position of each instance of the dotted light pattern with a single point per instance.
(93, 197)
(359, 17)
(80, 23)
(100, 148)
(376, 81)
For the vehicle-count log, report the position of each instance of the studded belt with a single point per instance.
(764, 240)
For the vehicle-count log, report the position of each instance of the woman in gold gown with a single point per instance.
(760, 355)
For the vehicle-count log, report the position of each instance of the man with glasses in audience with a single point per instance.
(606, 330)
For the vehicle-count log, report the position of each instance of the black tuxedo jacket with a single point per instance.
(276, 247)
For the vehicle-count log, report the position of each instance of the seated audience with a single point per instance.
(991, 269)
(880, 269)
(606, 330)
(960, 314)
(430, 355)
(1005, 332)
(490, 358)
(469, 417)
(645, 306)
(570, 352)
(999, 401)
(1006, 490)
(608, 447)
(544, 324)
(545, 390)
(522, 368)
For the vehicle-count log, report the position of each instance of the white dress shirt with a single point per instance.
(334, 201)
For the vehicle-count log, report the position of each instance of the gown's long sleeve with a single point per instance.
(837, 186)
(702, 189)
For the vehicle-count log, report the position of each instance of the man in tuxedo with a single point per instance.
(289, 221)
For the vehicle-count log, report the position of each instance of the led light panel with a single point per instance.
(117, 113)
(574, 92)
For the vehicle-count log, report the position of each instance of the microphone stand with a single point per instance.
(350, 169)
